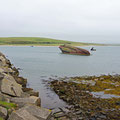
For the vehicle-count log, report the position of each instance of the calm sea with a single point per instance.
(41, 63)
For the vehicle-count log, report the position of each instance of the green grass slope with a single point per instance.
(38, 41)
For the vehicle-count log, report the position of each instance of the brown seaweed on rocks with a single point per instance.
(84, 104)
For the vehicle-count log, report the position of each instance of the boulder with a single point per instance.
(3, 112)
(10, 87)
(31, 112)
(29, 100)
(21, 115)
(21, 80)
(26, 89)
(33, 93)
(38, 112)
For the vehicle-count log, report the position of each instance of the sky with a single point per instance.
(95, 21)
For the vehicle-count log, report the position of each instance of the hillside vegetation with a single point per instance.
(38, 41)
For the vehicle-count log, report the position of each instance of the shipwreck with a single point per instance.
(68, 49)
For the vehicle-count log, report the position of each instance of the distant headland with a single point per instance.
(39, 41)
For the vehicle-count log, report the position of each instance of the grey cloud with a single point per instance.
(77, 20)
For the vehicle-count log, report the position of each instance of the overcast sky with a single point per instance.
(77, 20)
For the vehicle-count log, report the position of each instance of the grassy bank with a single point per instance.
(37, 41)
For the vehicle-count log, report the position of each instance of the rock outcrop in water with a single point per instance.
(67, 49)
(16, 101)
(77, 92)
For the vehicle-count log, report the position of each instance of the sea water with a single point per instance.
(38, 64)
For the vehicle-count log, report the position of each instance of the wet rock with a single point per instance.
(3, 112)
(33, 93)
(84, 104)
(21, 81)
(118, 103)
(16, 71)
(26, 89)
(30, 91)
(28, 100)
(79, 112)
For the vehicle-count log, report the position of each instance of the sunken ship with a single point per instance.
(68, 49)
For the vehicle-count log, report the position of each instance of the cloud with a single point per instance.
(61, 19)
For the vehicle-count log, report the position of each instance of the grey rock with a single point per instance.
(21, 80)
(33, 93)
(65, 110)
(25, 95)
(29, 100)
(3, 112)
(79, 112)
(57, 110)
(38, 112)
(10, 87)
(21, 115)
(102, 117)
(30, 91)
(80, 118)
(9, 77)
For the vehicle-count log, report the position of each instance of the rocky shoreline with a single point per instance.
(17, 102)
(83, 105)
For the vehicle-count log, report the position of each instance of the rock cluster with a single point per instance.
(83, 105)
(16, 101)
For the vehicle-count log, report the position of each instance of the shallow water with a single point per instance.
(102, 95)
(40, 63)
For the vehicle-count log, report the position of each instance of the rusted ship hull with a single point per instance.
(67, 49)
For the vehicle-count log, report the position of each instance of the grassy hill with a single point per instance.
(37, 41)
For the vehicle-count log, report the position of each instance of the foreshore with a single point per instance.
(83, 94)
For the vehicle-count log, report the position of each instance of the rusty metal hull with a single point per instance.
(67, 49)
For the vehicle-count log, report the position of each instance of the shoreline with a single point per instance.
(53, 45)
(84, 104)
(16, 100)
